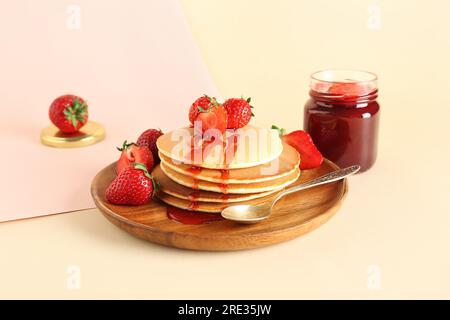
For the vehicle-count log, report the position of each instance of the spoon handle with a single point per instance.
(330, 177)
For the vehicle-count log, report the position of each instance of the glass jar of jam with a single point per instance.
(342, 116)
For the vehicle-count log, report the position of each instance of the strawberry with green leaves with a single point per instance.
(214, 118)
(208, 113)
(133, 186)
(69, 113)
(132, 153)
(202, 104)
(239, 112)
(310, 156)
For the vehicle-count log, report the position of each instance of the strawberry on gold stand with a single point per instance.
(71, 128)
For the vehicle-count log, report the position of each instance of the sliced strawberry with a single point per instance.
(310, 156)
(132, 153)
(204, 102)
(349, 89)
(214, 118)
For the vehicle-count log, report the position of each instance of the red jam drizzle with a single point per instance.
(200, 148)
(194, 205)
(194, 196)
(195, 184)
(194, 170)
(225, 150)
(230, 146)
(224, 177)
(189, 217)
(224, 174)
(224, 188)
(194, 150)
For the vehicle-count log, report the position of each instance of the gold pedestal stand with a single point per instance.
(91, 133)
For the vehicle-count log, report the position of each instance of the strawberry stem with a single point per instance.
(142, 167)
(203, 110)
(125, 145)
(248, 100)
(76, 112)
(156, 186)
(212, 101)
(281, 131)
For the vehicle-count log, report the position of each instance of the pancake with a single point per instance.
(242, 148)
(241, 188)
(286, 164)
(172, 188)
(212, 207)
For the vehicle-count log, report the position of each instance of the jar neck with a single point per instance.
(346, 101)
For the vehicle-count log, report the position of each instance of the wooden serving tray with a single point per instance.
(293, 216)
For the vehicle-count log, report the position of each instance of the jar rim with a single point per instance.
(345, 74)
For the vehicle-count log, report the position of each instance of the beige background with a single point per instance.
(106, 61)
(395, 220)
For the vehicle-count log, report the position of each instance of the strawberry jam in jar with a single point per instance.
(342, 116)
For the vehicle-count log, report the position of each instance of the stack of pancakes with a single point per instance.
(246, 166)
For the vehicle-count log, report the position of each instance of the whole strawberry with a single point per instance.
(239, 112)
(133, 186)
(148, 139)
(203, 103)
(310, 156)
(69, 113)
(132, 153)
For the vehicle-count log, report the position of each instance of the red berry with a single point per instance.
(132, 153)
(349, 89)
(310, 156)
(148, 139)
(214, 118)
(133, 186)
(239, 112)
(204, 102)
(69, 113)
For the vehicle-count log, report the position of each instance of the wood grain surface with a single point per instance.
(293, 216)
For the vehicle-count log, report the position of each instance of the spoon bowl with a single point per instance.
(254, 214)
(247, 213)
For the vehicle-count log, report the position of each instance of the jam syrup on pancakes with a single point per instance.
(230, 146)
(193, 197)
(197, 151)
(194, 170)
(191, 217)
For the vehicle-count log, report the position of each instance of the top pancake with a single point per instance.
(284, 165)
(242, 148)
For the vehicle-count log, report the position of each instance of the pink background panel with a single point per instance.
(136, 64)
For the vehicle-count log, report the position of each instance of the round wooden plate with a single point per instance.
(293, 216)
